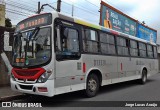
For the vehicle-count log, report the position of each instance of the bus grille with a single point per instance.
(26, 87)
(27, 74)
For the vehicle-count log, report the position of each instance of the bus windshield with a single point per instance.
(32, 48)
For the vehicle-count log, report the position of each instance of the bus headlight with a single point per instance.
(44, 77)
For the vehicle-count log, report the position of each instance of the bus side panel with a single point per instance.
(106, 64)
(126, 66)
(152, 65)
(68, 76)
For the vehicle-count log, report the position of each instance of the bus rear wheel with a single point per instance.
(143, 79)
(92, 85)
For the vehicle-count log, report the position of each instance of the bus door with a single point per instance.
(68, 66)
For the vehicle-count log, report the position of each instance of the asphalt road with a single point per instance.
(126, 91)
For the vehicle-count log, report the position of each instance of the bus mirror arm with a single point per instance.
(59, 39)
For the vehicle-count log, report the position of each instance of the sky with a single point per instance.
(141, 10)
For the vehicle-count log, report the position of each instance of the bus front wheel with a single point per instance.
(92, 85)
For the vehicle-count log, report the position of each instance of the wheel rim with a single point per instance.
(92, 85)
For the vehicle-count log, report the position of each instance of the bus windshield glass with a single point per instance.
(32, 48)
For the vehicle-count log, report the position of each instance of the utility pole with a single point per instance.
(59, 5)
(72, 9)
(39, 7)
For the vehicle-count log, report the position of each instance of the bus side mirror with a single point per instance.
(59, 39)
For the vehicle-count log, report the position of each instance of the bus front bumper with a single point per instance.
(45, 89)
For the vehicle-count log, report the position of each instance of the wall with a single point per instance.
(4, 78)
(2, 15)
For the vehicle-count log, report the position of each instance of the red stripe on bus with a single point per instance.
(84, 67)
(121, 67)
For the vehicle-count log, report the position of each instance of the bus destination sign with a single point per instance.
(39, 20)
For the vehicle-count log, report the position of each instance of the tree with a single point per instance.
(8, 22)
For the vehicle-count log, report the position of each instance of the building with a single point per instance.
(4, 78)
(2, 13)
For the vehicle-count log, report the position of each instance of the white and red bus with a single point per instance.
(55, 54)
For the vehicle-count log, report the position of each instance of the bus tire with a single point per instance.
(144, 77)
(92, 85)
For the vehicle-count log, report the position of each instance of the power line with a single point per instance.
(16, 6)
(33, 1)
(15, 12)
(15, 18)
(32, 10)
(81, 8)
(30, 3)
(92, 13)
(92, 3)
(21, 6)
(88, 2)
(18, 11)
(17, 3)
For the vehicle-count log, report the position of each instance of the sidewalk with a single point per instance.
(6, 94)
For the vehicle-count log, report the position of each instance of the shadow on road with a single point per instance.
(122, 85)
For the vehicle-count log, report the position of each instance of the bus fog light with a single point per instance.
(43, 78)
(42, 89)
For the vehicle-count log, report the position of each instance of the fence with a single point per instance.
(4, 78)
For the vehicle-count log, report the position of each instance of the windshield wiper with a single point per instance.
(34, 33)
(31, 37)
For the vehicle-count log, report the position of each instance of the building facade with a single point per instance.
(2, 13)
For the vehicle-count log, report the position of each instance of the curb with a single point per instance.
(13, 97)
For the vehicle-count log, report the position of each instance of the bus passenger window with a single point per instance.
(155, 52)
(122, 46)
(150, 51)
(133, 48)
(107, 44)
(70, 42)
(142, 49)
(90, 42)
